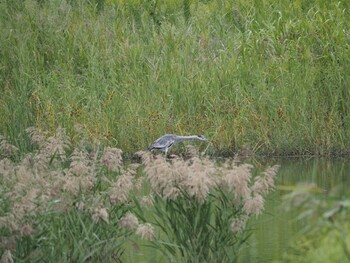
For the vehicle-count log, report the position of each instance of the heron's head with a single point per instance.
(202, 138)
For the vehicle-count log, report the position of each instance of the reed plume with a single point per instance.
(60, 178)
(194, 200)
(201, 205)
(197, 177)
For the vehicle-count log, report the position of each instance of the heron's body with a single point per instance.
(165, 142)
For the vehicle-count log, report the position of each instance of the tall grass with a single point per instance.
(270, 74)
(83, 203)
(201, 208)
(61, 203)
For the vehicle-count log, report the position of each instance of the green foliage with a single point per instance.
(73, 236)
(197, 232)
(271, 74)
(325, 237)
(201, 208)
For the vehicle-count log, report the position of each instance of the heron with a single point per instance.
(164, 143)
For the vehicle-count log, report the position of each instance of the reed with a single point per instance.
(82, 202)
(201, 209)
(271, 75)
(62, 203)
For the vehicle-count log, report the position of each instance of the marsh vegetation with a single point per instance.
(97, 81)
(85, 204)
(270, 74)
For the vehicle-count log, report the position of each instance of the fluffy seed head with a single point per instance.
(238, 224)
(100, 214)
(120, 189)
(146, 231)
(112, 158)
(6, 257)
(129, 221)
(237, 179)
(254, 205)
(265, 182)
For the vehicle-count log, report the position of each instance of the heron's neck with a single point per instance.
(191, 137)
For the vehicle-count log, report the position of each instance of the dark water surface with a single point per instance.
(277, 227)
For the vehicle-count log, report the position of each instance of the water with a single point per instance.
(277, 228)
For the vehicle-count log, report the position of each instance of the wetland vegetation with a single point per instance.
(80, 204)
(86, 86)
(273, 75)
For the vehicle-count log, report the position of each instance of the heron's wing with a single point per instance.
(163, 142)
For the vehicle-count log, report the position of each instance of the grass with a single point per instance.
(81, 202)
(67, 202)
(273, 75)
(202, 208)
(270, 75)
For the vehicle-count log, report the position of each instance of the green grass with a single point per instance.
(270, 74)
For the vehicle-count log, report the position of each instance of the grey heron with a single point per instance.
(164, 143)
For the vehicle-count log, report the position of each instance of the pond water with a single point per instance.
(276, 228)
